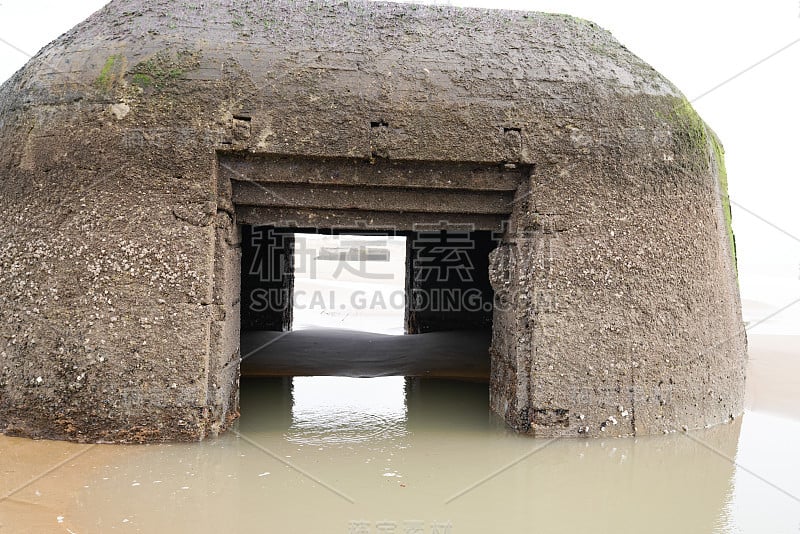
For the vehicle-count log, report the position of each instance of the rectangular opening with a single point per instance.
(352, 282)
(432, 225)
(308, 257)
(337, 302)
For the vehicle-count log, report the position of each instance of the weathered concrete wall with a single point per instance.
(625, 315)
(119, 309)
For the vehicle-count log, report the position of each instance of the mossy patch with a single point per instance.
(163, 69)
(112, 70)
(719, 156)
(693, 139)
(689, 129)
(142, 80)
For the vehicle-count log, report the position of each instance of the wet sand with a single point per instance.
(773, 374)
(336, 352)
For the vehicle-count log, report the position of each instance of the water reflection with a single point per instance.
(331, 410)
(438, 405)
(766, 494)
(328, 410)
(436, 441)
(266, 404)
(336, 454)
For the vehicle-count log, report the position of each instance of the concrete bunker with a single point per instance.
(133, 153)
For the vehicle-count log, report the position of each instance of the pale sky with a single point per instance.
(698, 45)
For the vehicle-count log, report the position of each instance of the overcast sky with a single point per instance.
(699, 46)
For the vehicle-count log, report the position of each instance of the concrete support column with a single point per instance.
(267, 278)
(447, 279)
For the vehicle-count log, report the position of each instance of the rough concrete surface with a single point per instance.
(119, 236)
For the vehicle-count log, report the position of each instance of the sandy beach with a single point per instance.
(772, 375)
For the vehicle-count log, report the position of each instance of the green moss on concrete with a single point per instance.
(142, 80)
(693, 138)
(719, 156)
(109, 72)
(163, 69)
(689, 127)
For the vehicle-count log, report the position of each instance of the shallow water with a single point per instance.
(334, 454)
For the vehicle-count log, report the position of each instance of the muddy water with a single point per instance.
(335, 454)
